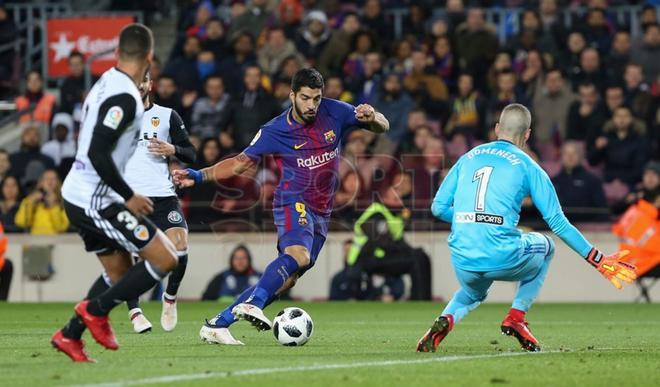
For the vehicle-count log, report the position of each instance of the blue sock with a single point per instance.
(225, 318)
(272, 280)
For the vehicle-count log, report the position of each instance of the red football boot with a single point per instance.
(75, 349)
(518, 327)
(99, 326)
(438, 331)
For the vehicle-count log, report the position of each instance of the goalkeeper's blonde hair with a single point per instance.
(515, 120)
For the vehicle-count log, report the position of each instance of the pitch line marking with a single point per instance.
(317, 367)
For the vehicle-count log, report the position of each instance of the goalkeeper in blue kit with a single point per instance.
(481, 198)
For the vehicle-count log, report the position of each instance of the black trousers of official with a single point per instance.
(6, 274)
(400, 258)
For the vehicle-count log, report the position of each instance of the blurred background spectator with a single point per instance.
(42, 211)
(35, 98)
(11, 196)
(6, 267)
(28, 164)
(240, 275)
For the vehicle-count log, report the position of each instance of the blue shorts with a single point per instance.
(536, 249)
(298, 226)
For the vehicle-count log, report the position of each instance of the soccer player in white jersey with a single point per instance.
(108, 214)
(481, 198)
(162, 135)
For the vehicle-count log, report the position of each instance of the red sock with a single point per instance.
(517, 314)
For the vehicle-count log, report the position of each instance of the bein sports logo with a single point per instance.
(317, 161)
(473, 217)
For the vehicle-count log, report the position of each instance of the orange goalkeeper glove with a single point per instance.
(612, 267)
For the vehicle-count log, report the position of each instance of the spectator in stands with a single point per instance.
(167, 94)
(395, 103)
(575, 44)
(277, 48)
(289, 67)
(5, 164)
(427, 89)
(501, 63)
(533, 75)
(551, 106)
(348, 196)
(400, 62)
(443, 62)
(468, 111)
(374, 20)
(7, 35)
(208, 112)
(417, 118)
(551, 21)
(204, 12)
(255, 20)
(649, 189)
(201, 197)
(614, 99)
(35, 97)
(334, 88)
(339, 46)
(388, 288)
(576, 187)
(589, 70)
(215, 39)
(363, 42)
(230, 283)
(585, 116)
(233, 67)
(28, 164)
(636, 92)
(206, 65)
(42, 211)
(250, 109)
(504, 94)
(429, 174)
(6, 267)
(597, 30)
(62, 146)
(290, 14)
(647, 52)
(476, 46)
(415, 21)
(365, 85)
(531, 36)
(73, 87)
(312, 38)
(619, 56)
(11, 193)
(623, 148)
(184, 68)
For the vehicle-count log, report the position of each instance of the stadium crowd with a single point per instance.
(594, 90)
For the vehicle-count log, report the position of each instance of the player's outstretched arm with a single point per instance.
(544, 196)
(375, 121)
(224, 169)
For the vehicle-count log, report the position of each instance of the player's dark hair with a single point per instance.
(135, 42)
(306, 78)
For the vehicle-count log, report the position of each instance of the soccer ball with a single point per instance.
(293, 327)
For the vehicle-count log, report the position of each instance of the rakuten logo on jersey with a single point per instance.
(316, 161)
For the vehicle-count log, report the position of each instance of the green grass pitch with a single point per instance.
(353, 344)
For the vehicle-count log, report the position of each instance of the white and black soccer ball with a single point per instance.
(293, 327)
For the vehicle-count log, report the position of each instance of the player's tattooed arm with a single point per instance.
(225, 169)
(374, 121)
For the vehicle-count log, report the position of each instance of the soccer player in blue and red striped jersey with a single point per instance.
(306, 142)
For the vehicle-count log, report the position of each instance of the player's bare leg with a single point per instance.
(275, 273)
(168, 317)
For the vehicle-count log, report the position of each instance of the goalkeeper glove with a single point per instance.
(612, 267)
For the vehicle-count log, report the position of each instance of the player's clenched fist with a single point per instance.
(184, 178)
(612, 267)
(365, 113)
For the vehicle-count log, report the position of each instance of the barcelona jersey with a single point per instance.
(307, 154)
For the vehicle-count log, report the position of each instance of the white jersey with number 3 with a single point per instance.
(116, 97)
